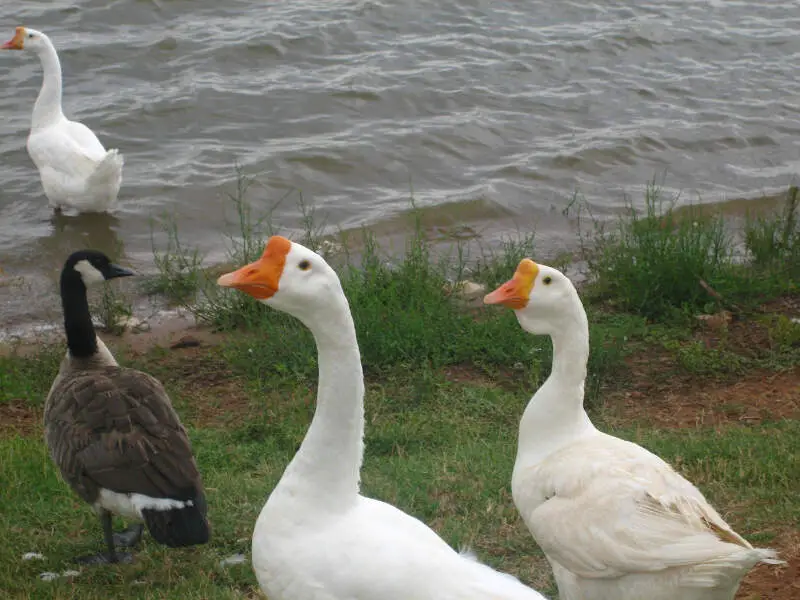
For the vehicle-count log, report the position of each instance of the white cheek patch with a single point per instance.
(88, 272)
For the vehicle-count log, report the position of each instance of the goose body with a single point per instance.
(112, 431)
(615, 521)
(317, 537)
(75, 169)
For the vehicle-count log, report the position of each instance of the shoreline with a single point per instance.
(443, 229)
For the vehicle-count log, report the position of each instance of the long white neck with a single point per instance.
(47, 109)
(326, 469)
(555, 415)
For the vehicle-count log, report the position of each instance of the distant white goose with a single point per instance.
(75, 169)
(615, 521)
(317, 538)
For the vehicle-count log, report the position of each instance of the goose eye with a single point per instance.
(30, 35)
(547, 280)
(304, 265)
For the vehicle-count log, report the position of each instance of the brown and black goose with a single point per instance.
(113, 433)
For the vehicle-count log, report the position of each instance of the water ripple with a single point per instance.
(349, 100)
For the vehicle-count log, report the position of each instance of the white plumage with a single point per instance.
(316, 537)
(615, 521)
(75, 169)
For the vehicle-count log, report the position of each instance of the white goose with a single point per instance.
(75, 169)
(316, 537)
(615, 521)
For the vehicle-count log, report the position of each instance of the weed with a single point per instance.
(113, 311)
(784, 333)
(179, 268)
(776, 240)
(654, 263)
(696, 358)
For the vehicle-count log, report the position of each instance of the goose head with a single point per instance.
(543, 298)
(26, 38)
(91, 267)
(288, 277)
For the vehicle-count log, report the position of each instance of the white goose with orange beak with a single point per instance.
(317, 537)
(75, 169)
(615, 521)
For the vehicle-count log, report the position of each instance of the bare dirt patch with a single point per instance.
(769, 582)
(662, 392)
(18, 418)
(467, 374)
(208, 392)
(690, 402)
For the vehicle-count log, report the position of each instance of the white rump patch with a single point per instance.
(132, 505)
(88, 272)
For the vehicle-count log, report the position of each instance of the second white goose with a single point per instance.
(317, 537)
(615, 521)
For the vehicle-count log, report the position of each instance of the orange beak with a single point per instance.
(260, 279)
(17, 42)
(516, 292)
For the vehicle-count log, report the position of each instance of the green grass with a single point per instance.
(26, 379)
(179, 268)
(440, 450)
(774, 240)
(660, 263)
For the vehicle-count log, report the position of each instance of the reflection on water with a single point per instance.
(92, 230)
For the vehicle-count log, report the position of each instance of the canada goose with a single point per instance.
(113, 433)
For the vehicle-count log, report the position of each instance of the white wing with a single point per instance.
(613, 508)
(85, 139)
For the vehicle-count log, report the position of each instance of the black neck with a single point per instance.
(81, 339)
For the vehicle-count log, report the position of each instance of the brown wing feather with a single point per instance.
(115, 428)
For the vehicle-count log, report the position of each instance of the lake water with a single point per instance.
(494, 113)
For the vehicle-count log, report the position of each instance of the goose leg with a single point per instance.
(111, 556)
(130, 537)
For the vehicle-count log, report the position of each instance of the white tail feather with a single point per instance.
(107, 170)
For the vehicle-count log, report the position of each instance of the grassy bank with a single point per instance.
(447, 381)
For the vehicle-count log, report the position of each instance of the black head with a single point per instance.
(91, 266)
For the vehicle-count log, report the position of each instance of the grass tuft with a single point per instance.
(179, 268)
(774, 241)
(653, 263)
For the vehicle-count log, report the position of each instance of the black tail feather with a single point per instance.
(178, 527)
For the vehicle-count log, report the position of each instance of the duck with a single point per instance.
(317, 536)
(114, 435)
(75, 169)
(615, 521)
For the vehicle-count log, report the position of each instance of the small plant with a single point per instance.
(179, 268)
(784, 333)
(657, 263)
(696, 358)
(114, 310)
(775, 240)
